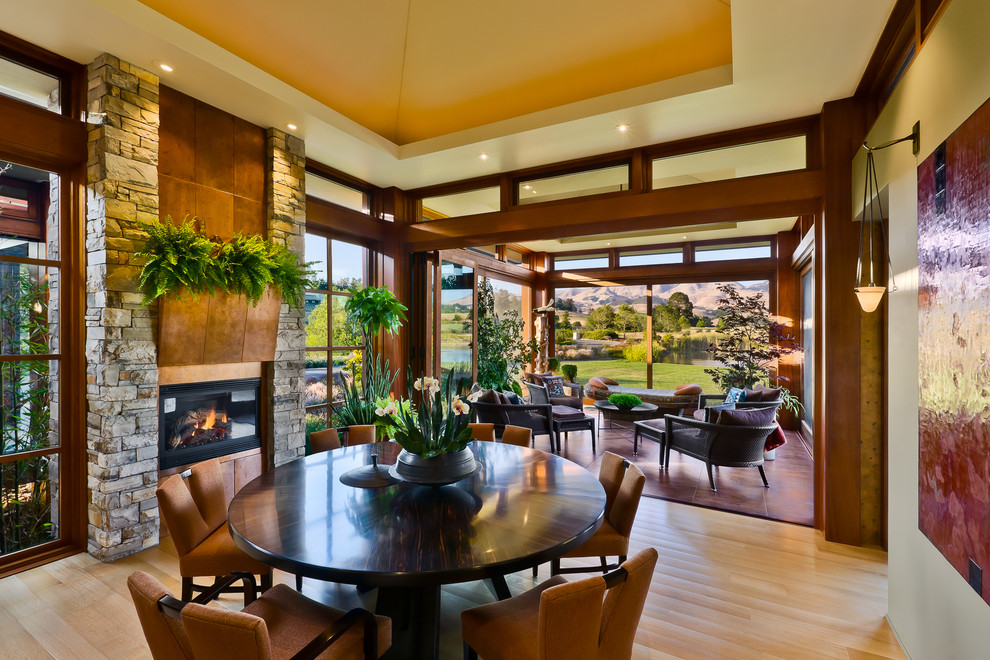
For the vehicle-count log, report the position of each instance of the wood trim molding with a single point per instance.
(734, 200)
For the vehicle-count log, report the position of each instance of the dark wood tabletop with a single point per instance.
(523, 507)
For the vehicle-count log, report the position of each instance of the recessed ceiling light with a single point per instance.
(292, 127)
(527, 187)
(166, 67)
(622, 128)
(684, 237)
(483, 156)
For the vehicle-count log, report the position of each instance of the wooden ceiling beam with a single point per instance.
(734, 200)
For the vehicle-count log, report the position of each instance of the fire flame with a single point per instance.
(211, 420)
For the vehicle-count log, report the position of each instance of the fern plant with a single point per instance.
(180, 257)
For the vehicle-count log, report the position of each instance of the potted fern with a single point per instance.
(181, 264)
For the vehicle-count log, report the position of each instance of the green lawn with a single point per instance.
(633, 374)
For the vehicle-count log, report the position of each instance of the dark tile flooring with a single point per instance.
(790, 496)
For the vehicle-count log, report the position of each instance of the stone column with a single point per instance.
(286, 214)
(122, 380)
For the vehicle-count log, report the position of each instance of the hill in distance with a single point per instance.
(704, 295)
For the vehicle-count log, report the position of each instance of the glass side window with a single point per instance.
(336, 193)
(580, 261)
(577, 184)
(455, 205)
(755, 250)
(651, 257)
(30, 86)
(730, 163)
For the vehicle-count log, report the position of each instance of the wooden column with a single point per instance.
(838, 429)
(789, 314)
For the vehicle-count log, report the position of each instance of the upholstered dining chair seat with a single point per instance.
(606, 542)
(217, 554)
(514, 620)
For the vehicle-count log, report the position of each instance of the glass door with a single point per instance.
(30, 443)
(457, 327)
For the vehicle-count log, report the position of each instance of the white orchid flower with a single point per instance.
(459, 407)
(474, 396)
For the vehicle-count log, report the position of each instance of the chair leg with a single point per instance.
(554, 567)
(593, 449)
(298, 582)
(469, 653)
(536, 571)
(187, 589)
(766, 484)
(604, 564)
(266, 583)
(711, 479)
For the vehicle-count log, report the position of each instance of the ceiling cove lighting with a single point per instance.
(483, 156)
(868, 259)
(165, 67)
(292, 127)
(622, 128)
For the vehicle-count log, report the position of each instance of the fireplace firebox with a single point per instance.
(198, 421)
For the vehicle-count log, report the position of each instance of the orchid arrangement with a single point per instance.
(437, 425)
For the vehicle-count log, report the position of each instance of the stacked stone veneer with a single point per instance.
(122, 373)
(286, 215)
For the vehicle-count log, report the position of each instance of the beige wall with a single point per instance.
(933, 611)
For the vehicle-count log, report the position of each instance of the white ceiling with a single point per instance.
(788, 57)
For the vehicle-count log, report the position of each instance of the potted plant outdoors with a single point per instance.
(369, 310)
(433, 434)
(750, 346)
(625, 402)
(570, 372)
(180, 259)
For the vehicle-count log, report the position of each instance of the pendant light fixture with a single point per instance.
(868, 262)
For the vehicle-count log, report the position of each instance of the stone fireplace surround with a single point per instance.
(122, 371)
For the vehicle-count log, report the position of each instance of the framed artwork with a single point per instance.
(954, 349)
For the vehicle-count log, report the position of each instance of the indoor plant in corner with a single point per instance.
(433, 434)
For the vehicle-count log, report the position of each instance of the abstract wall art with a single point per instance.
(954, 349)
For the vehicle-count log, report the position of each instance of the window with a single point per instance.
(337, 193)
(456, 319)
(333, 348)
(730, 163)
(516, 257)
(580, 261)
(651, 257)
(755, 250)
(487, 250)
(578, 184)
(472, 202)
(30, 443)
(26, 84)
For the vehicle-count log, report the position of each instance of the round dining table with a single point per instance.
(521, 508)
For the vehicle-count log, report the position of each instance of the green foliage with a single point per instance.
(601, 334)
(569, 371)
(437, 424)
(180, 257)
(753, 341)
(617, 352)
(501, 350)
(625, 400)
(358, 406)
(563, 321)
(627, 319)
(25, 412)
(553, 364)
(602, 318)
(372, 309)
(563, 336)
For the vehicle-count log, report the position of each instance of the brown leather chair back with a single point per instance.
(183, 518)
(517, 435)
(215, 632)
(361, 434)
(610, 475)
(325, 440)
(206, 487)
(623, 512)
(623, 606)
(484, 432)
(166, 636)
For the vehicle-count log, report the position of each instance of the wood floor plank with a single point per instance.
(726, 586)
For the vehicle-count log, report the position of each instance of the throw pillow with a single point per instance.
(554, 385)
(513, 398)
(489, 396)
(691, 388)
(747, 417)
(711, 412)
(775, 439)
(735, 395)
(504, 400)
(762, 394)
(601, 382)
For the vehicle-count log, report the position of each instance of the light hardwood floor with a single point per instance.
(726, 586)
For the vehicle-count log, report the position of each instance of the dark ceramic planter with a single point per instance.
(436, 470)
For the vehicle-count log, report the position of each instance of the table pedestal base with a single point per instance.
(415, 614)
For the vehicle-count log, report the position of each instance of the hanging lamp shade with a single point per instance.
(870, 297)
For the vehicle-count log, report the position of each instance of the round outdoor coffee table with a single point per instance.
(613, 412)
(522, 508)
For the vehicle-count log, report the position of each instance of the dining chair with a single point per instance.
(324, 440)
(196, 517)
(590, 619)
(280, 624)
(484, 432)
(612, 538)
(360, 434)
(517, 435)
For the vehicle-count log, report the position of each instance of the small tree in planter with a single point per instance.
(501, 349)
(751, 345)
